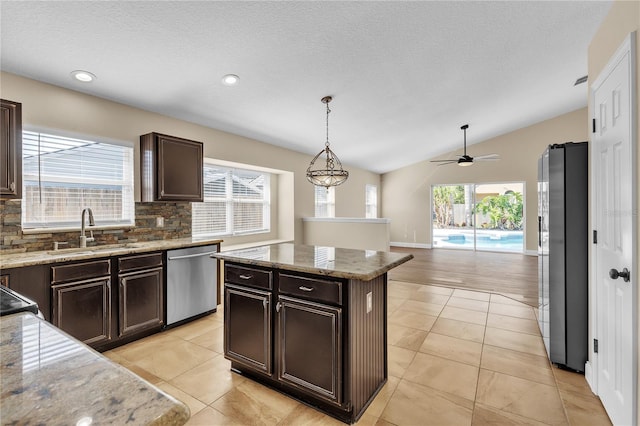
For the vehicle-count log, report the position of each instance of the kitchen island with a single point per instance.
(310, 322)
(50, 378)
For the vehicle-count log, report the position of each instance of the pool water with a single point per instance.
(498, 241)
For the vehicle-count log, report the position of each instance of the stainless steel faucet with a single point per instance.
(83, 237)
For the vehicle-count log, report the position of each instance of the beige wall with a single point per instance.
(51, 107)
(623, 18)
(354, 233)
(406, 192)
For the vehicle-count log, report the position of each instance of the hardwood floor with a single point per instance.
(510, 274)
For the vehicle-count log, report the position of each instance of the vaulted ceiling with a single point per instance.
(404, 76)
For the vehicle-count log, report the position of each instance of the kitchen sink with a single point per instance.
(94, 249)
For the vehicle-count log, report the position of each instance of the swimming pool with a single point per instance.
(485, 240)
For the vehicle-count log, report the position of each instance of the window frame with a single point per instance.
(369, 188)
(231, 202)
(329, 202)
(126, 184)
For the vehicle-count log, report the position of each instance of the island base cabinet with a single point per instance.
(83, 309)
(327, 337)
(140, 304)
(248, 325)
(310, 352)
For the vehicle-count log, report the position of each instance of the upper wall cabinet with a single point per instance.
(171, 168)
(10, 149)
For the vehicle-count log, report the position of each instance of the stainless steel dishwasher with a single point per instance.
(191, 282)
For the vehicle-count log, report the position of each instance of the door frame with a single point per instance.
(627, 47)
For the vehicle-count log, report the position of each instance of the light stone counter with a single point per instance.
(17, 260)
(330, 261)
(49, 378)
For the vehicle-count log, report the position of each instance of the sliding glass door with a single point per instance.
(478, 216)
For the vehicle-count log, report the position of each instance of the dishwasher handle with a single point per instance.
(188, 256)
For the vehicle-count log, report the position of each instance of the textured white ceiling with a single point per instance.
(404, 76)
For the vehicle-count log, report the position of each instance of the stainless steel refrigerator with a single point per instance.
(563, 243)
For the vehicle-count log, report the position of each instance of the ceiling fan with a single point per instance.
(464, 159)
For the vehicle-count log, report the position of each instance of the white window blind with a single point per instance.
(371, 201)
(236, 201)
(62, 176)
(325, 200)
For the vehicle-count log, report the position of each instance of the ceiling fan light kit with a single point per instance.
(465, 160)
(332, 174)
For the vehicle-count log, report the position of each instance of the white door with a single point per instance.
(613, 186)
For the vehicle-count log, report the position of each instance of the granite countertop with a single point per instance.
(17, 260)
(51, 378)
(330, 261)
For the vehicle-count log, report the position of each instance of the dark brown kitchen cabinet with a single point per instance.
(82, 300)
(171, 168)
(310, 347)
(32, 282)
(248, 319)
(326, 336)
(140, 292)
(10, 149)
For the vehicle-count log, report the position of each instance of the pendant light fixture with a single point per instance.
(332, 174)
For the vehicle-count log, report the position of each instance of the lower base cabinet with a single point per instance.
(140, 290)
(310, 347)
(326, 337)
(89, 308)
(83, 309)
(247, 339)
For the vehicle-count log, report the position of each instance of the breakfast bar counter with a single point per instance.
(51, 378)
(310, 321)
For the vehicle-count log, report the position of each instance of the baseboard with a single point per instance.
(588, 375)
(531, 252)
(410, 245)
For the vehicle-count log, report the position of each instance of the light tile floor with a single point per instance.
(456, 357)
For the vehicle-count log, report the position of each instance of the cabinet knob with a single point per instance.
(12, 186)
(245, 277)
(303, 288)
(278, 306)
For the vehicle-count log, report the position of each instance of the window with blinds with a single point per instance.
(236, 202)
(62, 176)
(325, 201)
(371, 201)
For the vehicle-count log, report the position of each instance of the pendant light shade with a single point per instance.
(329, 171)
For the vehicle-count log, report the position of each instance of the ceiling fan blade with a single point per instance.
(445, 161)
(487, 157)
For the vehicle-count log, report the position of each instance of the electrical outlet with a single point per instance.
(369, 302)
(159, 222)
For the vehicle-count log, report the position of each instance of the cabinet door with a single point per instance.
(83, 309)
(10, 149)
(310, 352)
(180, 164)
(33, 283)
(248, 325)
(140, 301)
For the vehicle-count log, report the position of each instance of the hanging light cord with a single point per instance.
(326, 144)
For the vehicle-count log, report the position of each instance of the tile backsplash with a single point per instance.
(176, 217)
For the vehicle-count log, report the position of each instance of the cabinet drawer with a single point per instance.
(142, 261)
(85, 270)
(311, 288)
(247, 276)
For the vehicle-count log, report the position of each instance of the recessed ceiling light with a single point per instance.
(230, 80)
(83, 76)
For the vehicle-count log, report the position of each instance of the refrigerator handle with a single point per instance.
(539, 231)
